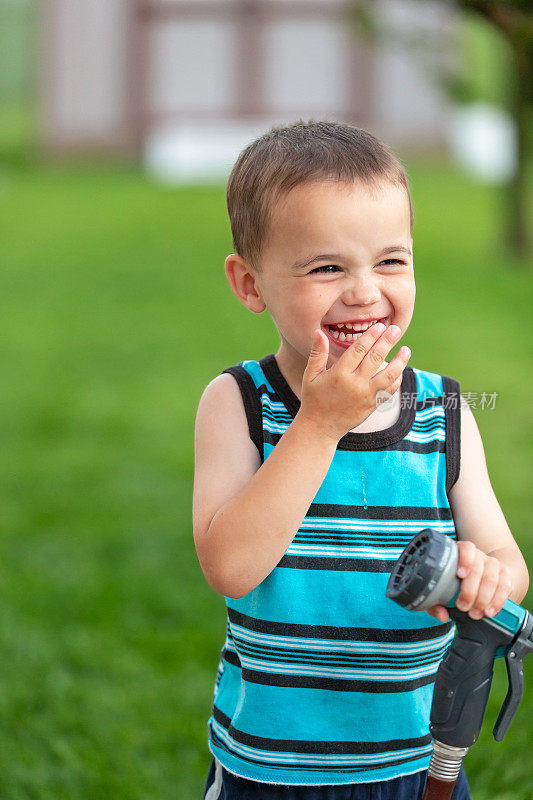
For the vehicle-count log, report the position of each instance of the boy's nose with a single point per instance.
(362, 292)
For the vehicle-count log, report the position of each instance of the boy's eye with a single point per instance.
(332, 266)
(328, 266)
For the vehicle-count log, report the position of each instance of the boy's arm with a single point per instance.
(245, 514)
(491, 565)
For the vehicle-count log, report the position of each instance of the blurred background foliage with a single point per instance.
(495, 66)
(115, 315)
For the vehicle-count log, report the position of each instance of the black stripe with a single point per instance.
(231, 657)
(381, 513)
(338, 633)
(406, 446)
(252, 405)
(335, 684)
(429, 425)
(280, 419)
(453, 430)
(336, 563)
(347, 540)
(316, 747)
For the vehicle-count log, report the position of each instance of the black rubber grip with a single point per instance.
(463, 681)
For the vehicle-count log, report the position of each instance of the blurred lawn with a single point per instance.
(116, 314)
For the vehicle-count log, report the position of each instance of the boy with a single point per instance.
(307, 487)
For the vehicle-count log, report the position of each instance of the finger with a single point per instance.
(504, 589)
(318, 357)
(487, 587)
(466, 554)
(470, 585)
(395, 386)
(373, 360)
(439, 612)
(353, 356)
(390, 378)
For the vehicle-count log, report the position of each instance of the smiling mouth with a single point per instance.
(344, 336)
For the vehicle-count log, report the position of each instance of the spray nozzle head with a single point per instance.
(424, 574)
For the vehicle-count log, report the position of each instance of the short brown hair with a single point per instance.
(301, 152)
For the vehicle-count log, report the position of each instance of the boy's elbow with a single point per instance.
(228, 588)
(521, 582)
(223, 574)
(525, 585)
(225, 582)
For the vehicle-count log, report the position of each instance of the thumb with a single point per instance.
(439, 612)
(318, 357)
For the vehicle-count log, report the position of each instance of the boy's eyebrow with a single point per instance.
(395, 248)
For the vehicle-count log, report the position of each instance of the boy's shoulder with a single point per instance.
(222, 423)
(231, 401)
(254, 375)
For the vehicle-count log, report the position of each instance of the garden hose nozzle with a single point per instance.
(423, 576)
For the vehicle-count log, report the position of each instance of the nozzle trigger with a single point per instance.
(520, 646)
(513, 697)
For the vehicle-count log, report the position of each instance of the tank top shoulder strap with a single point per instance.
(452, 412)
(248, 376)
(442, 393)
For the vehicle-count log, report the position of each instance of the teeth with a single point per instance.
(357, 326)
(342, 337)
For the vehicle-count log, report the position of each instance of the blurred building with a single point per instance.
(148, 77)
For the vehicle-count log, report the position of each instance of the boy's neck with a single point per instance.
(292, 370)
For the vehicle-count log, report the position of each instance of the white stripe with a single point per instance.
(281, 425)
(434, 426)
(431, 411)
(273, 428)
(213, 793)
(329, 645)
(369, 526)
(303, 758)
(400, 674)
(274, 406)
(413, 436)
(427, 426)
(389, 553)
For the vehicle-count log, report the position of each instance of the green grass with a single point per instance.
(115, 315)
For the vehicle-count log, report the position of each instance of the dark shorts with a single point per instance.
(222, 785)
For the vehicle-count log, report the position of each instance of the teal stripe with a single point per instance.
(364, 717)
(429, 383)
(347, 599)
(354, 476)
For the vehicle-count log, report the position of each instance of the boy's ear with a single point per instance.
(243, 283)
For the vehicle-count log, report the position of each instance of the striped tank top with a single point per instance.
(322, 679)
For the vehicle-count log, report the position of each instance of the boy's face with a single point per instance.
(357, 281)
